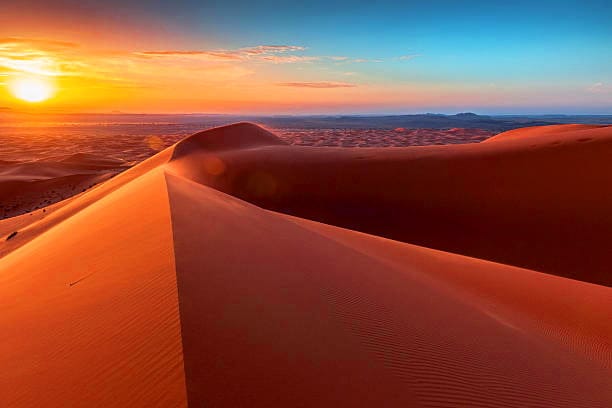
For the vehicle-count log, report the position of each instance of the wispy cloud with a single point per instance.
(39, 42)
(349, 60)
(19, 56)
(268, 53)
(319, 85)
(35, 56)
(272, 49)
(277, 54)
(179, 52)
(408, 57)
(288, 59)
(600, 88)
(364, 60)
(208, 55)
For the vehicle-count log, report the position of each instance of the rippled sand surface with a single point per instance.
(135, 142)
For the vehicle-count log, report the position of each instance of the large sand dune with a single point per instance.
(541, 202)
(164, 287)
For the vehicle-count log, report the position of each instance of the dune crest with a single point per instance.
(237, 136)
(173, 285)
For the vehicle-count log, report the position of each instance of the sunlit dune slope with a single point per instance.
(154, 289)
(551, 134)
(90, 308)
(31, 225)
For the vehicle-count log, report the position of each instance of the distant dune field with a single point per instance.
(52, 163)
(233, 269)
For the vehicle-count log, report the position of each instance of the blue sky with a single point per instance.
(527, 41)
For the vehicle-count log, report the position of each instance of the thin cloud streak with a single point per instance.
(600, 88)
(317, 85)
(409, 57)
(289, 59)
(13, 41)
(277, 54)
(259, 53)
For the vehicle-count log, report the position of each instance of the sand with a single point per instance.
(158, 288)
(539, 204)
(29, 185)
(48, 164)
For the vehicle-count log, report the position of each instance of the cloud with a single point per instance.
(362, 60)
(174, 52)
(31, 65)
(340, 59)
(600, 88)
(277, 54)
(208, 55)
(36, 56)
(272, 49)
(38, 42)
(21, 56)
(318, 85)
(288, 59)
(268, 53)
(408, 57)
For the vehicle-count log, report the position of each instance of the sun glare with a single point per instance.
(31, 89)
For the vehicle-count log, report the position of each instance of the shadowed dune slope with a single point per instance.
(541, 203)
(279, 311)
(156, 289)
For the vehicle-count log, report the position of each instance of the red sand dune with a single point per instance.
(31, 185)
(539, 204)
(154, 289)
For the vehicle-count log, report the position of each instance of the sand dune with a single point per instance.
(539, 204)
(157, 288)
(33, 184)
(44, 176)
(551, 134)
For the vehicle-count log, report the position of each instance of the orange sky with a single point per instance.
(89, 78)
(92, 79)
(95, 79)
(244, 80)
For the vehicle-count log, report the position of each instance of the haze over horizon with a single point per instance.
(334, 57)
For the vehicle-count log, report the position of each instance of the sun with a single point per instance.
(31, 89)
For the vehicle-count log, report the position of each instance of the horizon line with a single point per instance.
(329, 114)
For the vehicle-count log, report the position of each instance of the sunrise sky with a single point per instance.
(307, 57)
